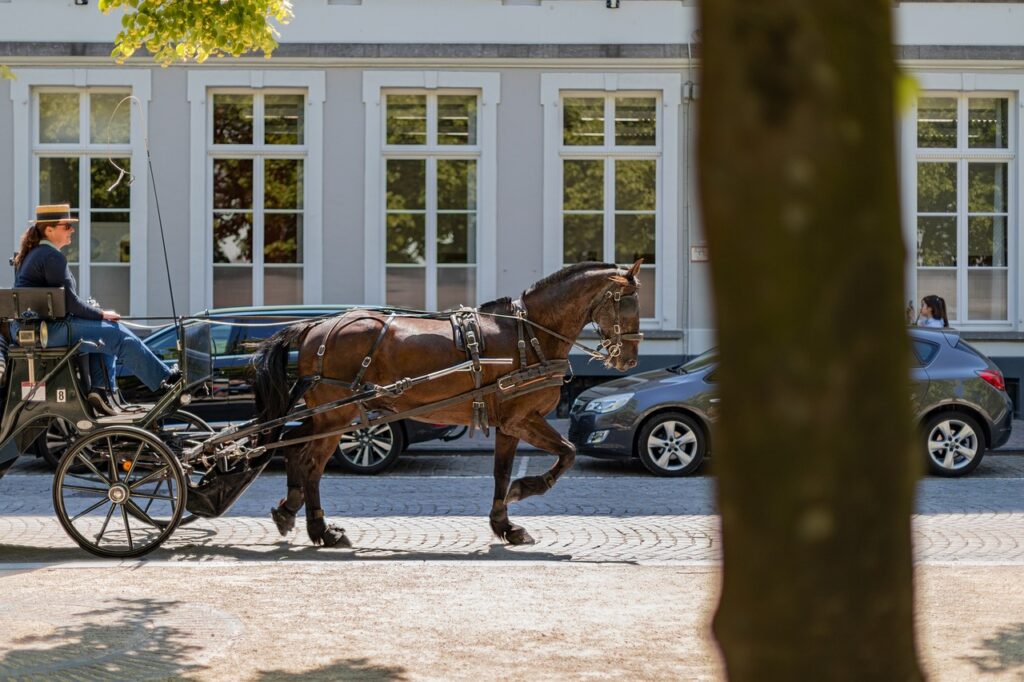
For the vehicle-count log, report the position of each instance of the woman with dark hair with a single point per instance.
(40, 263)
(933, 312)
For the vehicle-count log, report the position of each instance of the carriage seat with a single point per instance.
(31, 308)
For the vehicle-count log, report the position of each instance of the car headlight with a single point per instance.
(609, 403)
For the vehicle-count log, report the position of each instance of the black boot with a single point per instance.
(102, 403)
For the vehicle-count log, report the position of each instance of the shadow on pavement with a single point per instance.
(1003, 651)
(349, 669)
(125, 641)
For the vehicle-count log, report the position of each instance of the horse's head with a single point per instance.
(616, 314)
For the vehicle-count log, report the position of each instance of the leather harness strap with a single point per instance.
(357, 382)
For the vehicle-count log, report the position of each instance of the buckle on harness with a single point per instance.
(366, 362)
(321, 350)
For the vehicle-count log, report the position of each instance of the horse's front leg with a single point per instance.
(504, 455)
(320, 532)
(537, 432)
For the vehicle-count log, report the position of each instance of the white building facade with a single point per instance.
(445, 153)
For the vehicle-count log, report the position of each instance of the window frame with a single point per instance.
(962, 85)
(202, 85)
(963, 156)
(667, 88)
(376, 86)
(431, 153)
(24, 93)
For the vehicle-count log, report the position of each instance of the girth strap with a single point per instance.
(357, 382)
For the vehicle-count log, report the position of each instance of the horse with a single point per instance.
(337, 355)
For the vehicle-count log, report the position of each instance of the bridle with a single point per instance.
(613, 345)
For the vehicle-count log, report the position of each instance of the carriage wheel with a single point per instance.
(130, 498)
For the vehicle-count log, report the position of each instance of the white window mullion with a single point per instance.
(608, 243)
(84, 229)
(430, 236)
(257, 230)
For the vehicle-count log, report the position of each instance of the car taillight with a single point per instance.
(994, 377)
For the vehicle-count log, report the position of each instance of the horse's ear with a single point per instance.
(635, 270)
(619, 279)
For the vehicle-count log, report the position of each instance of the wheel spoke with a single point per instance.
(346, 446)
(144, 515)
(365, 452)
(135, 459)
(155, 491)
(688, 437)
(93, 469)
(664, 460)
(149, 477)
(968, 452)
(943, 428)
(127, 528)
(84, 489)
(110, 512)
(948, 462)
(384, 445)
(655, 442)
(154, 496)
(113, 462)
(90, 509)
(935, 445)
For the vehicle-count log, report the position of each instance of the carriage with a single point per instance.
(128, 481)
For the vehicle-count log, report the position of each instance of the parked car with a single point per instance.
(231, 398)
(664, 416)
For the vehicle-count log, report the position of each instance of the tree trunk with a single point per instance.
(814, 451)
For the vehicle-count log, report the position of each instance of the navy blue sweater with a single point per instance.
(45, 266)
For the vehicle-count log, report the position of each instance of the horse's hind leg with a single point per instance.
(320, 532)
(286, 510)
(537, 432)
(504, 455)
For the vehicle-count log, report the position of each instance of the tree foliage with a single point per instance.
(184, 30)
(5, 72)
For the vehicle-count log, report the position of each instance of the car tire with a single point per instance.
(372, 450)
(953, 444)
(672, 444)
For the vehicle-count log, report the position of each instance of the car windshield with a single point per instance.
(705, 359)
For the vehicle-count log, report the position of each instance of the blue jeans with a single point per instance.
(116, 342)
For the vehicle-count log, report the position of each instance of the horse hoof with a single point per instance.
(283, 519)
(518, 536)
(515, 492)
(335, 536)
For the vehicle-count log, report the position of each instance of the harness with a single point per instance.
(467, 336)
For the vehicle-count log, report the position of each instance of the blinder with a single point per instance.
(620, 302)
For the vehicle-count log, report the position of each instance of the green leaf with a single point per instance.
(5, 72)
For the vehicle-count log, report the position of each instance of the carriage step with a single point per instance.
(126, 418)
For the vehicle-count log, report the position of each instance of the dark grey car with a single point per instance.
(664, 417)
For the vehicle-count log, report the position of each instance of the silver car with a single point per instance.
(664, 416)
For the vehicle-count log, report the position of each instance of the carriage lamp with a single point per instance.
(608, 403)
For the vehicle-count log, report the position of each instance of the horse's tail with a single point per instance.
(270, 372)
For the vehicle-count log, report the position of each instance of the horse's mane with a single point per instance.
(497, 304)
(569, 272)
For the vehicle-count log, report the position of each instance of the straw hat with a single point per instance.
(53, 213)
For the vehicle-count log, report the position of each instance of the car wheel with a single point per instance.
(372, 450)
(55, 441)
(954, 444)
(672, 444)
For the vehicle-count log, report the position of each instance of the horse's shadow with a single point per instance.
(196, 544)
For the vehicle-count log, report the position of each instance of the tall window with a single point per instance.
(610, 156)
(78, 138)
(964, 167)
(257, 150)
(431, 158)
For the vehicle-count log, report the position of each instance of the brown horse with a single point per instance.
(340, 355)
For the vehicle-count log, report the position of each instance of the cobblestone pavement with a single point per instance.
(434, 507)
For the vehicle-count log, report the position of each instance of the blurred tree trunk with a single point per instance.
(814, 450)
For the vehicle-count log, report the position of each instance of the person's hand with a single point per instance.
(111, 315)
